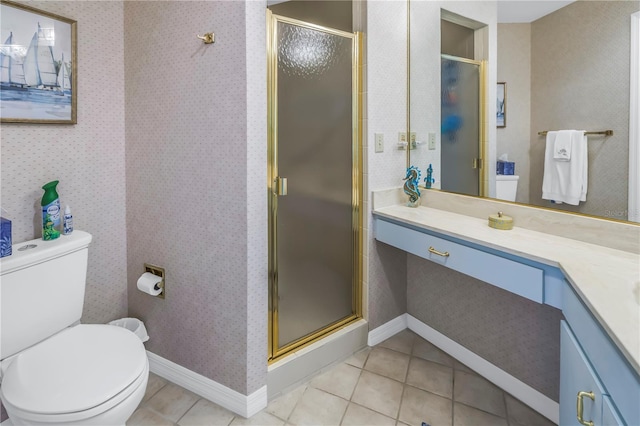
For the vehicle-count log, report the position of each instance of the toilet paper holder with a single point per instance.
(156, 270)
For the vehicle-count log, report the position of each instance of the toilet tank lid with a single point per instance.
(507, 177)
(77, 369)
(43, 250)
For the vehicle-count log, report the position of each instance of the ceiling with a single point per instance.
(520, 11)
(512, 11)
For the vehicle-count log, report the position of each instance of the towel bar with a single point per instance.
(601, 132)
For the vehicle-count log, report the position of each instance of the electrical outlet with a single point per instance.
(412, 137)
(402, 137)
(432, 140)
(379, 142)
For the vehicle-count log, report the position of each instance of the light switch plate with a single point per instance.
(432, 140)
(379, 142)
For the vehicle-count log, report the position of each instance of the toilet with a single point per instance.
(54, 370)
(506, 187)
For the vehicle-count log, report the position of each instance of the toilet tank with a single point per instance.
(41, 290)
(506, 187)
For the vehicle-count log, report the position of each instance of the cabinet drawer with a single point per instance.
(617, 376)
(515, 277)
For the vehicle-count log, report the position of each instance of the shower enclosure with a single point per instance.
(462, 125)
(315, 182)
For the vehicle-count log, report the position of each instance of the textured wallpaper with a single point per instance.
(514, 68)
(580, 80)
(196, 163)
(519, 336)
(87, 158)
(386, 97)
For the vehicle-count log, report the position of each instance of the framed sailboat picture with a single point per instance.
(38, 59)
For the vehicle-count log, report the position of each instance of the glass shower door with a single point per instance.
(461, 125)
(314, 178)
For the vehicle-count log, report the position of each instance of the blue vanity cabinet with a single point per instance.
(516, 277)
(590, 362)
(577, 375)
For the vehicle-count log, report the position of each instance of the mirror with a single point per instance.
(562, 69)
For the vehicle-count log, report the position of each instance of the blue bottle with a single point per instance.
(428, 180)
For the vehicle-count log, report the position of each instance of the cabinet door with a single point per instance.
(610, 415)
(576, 375)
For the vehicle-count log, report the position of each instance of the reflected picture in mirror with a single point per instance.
(501, 105)
(567, 69)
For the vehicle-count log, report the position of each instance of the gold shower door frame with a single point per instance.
(276, 352)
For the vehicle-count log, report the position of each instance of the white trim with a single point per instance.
(386, 330)
(525, 393)
(244, 405)
(634, 119)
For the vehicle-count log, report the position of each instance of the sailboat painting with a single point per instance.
(38, 73)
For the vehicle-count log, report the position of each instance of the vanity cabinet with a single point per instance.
(590, 362)
(519, 278)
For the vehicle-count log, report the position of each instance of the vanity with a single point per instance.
(596, 287)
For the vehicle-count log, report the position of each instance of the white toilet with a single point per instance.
(506, 187)
(52, 371)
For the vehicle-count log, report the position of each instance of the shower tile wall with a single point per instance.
(196, 167)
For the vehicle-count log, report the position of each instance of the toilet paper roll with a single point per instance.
(147, 284)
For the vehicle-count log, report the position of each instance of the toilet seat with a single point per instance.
(78, 373)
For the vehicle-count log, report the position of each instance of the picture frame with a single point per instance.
(38, 65)
(501, 104)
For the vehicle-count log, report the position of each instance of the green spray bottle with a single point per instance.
(50, 212)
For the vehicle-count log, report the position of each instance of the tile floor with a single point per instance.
(404, 380)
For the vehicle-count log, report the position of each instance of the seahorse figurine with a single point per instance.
(411, 186)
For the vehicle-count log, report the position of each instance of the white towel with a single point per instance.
(566, 181)
(562, 145)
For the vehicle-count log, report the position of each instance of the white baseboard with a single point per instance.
(244, 405)
(525, 393)
(386, 330)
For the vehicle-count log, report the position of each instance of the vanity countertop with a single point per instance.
(607, 280)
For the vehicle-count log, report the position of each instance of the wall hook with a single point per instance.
(207, 38)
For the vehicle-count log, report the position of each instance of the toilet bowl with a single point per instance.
(506, 187)
(52, 371)
(84, 375)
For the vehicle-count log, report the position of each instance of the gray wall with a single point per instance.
(514, 68)
(580, 60)
(515, 334)
(456, 40)
(332, 14)
(87, 158)
(196, 164)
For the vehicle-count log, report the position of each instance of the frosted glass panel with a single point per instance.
(314, 221)
(460, 126)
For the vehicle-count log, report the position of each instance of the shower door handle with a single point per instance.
(280, 186)
(476, 163)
